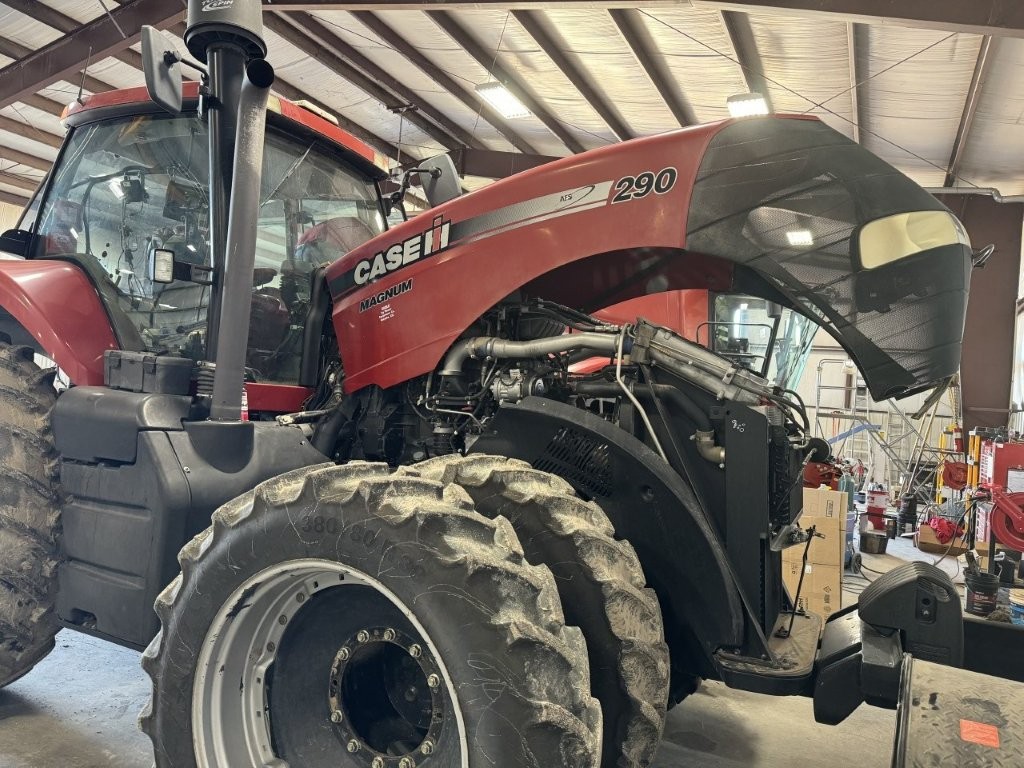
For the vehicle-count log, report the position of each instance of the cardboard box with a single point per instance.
(825, 510)
(822, 590)
(927, 541)
(824, 502)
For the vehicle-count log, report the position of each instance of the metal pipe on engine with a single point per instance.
(489, 347)
(692, 362)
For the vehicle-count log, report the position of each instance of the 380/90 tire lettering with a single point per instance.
(641, 185)
(320, 524)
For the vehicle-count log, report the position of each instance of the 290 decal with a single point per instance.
(641, 185)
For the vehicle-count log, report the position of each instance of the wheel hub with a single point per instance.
(388, 702)
(385, 697)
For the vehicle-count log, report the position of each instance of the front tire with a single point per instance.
(345, 617)
(601, 584)
(29, 514)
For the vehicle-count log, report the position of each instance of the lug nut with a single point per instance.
(362, 636)
(433, 681)
(406, 762)
(300, 598)
(336, 716)
(344, 654)
(353, 746)
(427, 747)
(389, 634)
(377, 762)
(282, 619)
(415, 651)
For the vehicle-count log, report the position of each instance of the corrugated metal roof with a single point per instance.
(808, 61)
(914, 107)
(995, 155)
(907, 109)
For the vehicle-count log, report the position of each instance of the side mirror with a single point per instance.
(163, 70)
(440, 187)
(16, 242)
(167, 268)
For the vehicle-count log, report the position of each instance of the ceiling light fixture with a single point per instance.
(747, 105)
(800, 237)
(503, 100)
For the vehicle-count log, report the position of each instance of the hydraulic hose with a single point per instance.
(667, 392)
(704, 438)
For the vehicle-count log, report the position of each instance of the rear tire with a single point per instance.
(601, 584)
(345, 617)
(29, 514)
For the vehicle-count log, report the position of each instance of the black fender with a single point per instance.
(650, 505)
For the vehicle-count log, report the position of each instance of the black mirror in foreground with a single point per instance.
(162, 68)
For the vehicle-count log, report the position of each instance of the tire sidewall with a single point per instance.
(351, 534)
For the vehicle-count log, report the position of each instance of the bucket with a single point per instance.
(908, 513)
(982, 590)
(1017, 606)
(878, 502)
(875, 543)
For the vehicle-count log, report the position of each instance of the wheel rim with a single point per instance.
(311, 663)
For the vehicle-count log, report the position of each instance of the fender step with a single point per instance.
(789, 668)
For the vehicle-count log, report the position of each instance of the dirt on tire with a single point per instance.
(522, 675)
(29, 514)
(601, 584)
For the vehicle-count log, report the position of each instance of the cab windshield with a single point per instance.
(126, 187)
(761, 336)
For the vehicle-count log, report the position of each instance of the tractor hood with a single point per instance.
(845, 238)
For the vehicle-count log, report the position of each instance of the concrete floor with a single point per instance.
(78, 709)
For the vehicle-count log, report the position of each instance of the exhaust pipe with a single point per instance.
(233, 328)
(490, 347)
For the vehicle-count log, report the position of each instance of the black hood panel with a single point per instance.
(786, 199)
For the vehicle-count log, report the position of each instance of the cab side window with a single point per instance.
(313, 210)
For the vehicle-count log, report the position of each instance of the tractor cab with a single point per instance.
(129, 197)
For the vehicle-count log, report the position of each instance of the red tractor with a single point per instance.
(438, 540)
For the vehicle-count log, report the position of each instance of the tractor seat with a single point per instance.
(331, 239)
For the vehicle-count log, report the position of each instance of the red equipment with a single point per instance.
(1007, 518)
(997, 458)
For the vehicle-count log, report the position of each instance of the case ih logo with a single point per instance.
(217, 5)
(402, 254)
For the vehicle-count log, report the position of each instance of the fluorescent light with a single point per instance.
(800, 237)
(74, 232)
(115, 187)
(502, 99)
(191, 247)
(747, 105)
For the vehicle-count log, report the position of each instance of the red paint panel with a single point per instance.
(56, 303)
(276, 398)
(190, 90)
(682, 311)
(138, 95)
(451, 289)
(326, 129)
